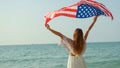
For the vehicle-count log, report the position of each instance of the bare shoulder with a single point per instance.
(68, 39)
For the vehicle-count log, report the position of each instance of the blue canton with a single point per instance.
(86, 10)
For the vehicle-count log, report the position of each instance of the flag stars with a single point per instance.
(81, 14)
(84, 7)
(86, 10)
(78, 15)
(83, 11)
(80, 7)
(79, 11)
(90, 9)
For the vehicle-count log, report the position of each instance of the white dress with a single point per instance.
(73, 61)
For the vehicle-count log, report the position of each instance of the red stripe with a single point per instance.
(69, 9)
(65, 14)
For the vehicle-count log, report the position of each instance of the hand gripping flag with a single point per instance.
(82, 9)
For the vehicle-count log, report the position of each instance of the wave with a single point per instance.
(18, 60)
(59, 66)
(105, 64)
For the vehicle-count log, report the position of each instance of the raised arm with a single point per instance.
(90, 27)
(54, 32)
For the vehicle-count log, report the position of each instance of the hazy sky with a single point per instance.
(21, 22)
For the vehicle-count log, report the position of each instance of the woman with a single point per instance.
(75, 46)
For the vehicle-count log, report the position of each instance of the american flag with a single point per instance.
(82, 9)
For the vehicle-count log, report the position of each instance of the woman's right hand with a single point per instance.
(47, 26)
(53, 31)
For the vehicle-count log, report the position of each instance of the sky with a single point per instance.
(21, 22)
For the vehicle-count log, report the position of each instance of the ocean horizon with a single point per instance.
(97, 55)
(17, 44)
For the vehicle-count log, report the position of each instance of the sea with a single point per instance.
(97, 55)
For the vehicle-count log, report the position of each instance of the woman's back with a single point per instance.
(74, 61)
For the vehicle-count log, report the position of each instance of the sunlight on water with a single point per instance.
(98, 55)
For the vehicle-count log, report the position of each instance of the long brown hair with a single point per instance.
(79, 42)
